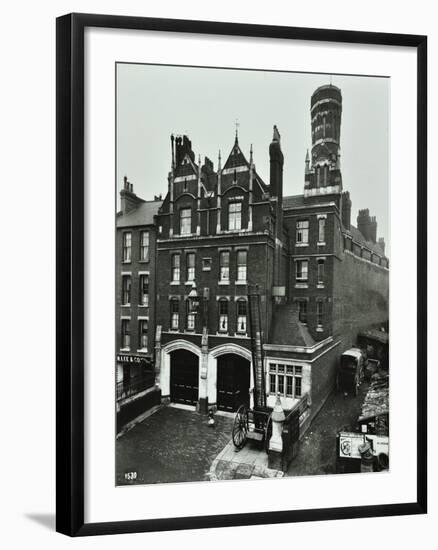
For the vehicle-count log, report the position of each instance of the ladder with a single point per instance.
(256, 335)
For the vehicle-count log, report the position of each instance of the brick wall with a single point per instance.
(135, 310)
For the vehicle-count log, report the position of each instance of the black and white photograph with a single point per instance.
(253, 259)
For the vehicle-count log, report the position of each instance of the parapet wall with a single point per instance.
(360, 296)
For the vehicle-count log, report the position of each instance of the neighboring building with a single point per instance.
(135, 303)
(220, 231)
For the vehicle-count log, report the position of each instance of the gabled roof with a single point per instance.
(236, 157)
(186, 168)
(287, 329)
(142, 215)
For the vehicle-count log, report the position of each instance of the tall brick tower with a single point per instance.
(323, 170)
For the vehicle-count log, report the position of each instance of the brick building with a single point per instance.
(135, 304)
(223, 230)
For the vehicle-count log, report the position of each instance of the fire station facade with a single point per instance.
(220, 232)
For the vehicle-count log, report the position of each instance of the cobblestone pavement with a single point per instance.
(317, 454)
(172, 445)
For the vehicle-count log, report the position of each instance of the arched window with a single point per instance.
(318, 176)
(241, 316)
(223, 315)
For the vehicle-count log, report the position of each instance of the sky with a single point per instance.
(155, 101)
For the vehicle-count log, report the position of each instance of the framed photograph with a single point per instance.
(241, 274)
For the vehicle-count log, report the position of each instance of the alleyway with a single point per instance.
(172, 445)
(317, 454)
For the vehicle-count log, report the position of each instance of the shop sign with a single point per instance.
(125, 358)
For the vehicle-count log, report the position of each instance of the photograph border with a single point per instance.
(70, 309)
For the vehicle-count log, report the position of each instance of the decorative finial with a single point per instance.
(237, 128)
(250, 154)
(219, 160)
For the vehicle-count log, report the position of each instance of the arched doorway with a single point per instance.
(233, 382)
(184, 377)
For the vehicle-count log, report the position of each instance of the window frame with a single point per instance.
(319, 314)
(183, 224)
(141, 286)
(302, 311)
(239, 316)
(281, 375)
(144, 256)
(300, 277)
(142, 333)
(234, 216)
(174, 314)
(320, 276)
(223, 316)
(125, 345)
(127, 248)
(321, 229)
(241, 267)
(226, 266)
(126, 291)
(190, 269)
(302, 232)
(190, 318)
(175, 267)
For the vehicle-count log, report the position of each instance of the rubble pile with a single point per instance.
(376, 403)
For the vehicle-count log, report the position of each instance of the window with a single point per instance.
(319, 314)
(190, 266)
(144, 290)
(185, 221)
(223, 315)
(127, 240)
(302, 270)
(190, 317)
(326, 171)
(321, 230)
(126, 290)
(174, 314)
(126, 334)
(318, 176)
(176, 261)
(224, 266)
(234, 216)
(143, 334)
(303, 232)
(302, 311)
(144, 246)
(241, 316)
(241, 265)
(285, 380)
(321, 271)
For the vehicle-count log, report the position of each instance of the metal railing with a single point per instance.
(134, 385)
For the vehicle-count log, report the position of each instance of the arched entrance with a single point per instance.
(184, 377)
(233, 382)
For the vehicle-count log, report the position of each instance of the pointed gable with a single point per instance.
(236, 158)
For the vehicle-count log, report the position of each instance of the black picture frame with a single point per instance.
(70, 272)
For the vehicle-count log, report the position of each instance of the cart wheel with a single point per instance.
(268, 433)
(240, 427)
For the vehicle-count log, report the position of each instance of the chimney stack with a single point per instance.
(382, 244)
(128, 199)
